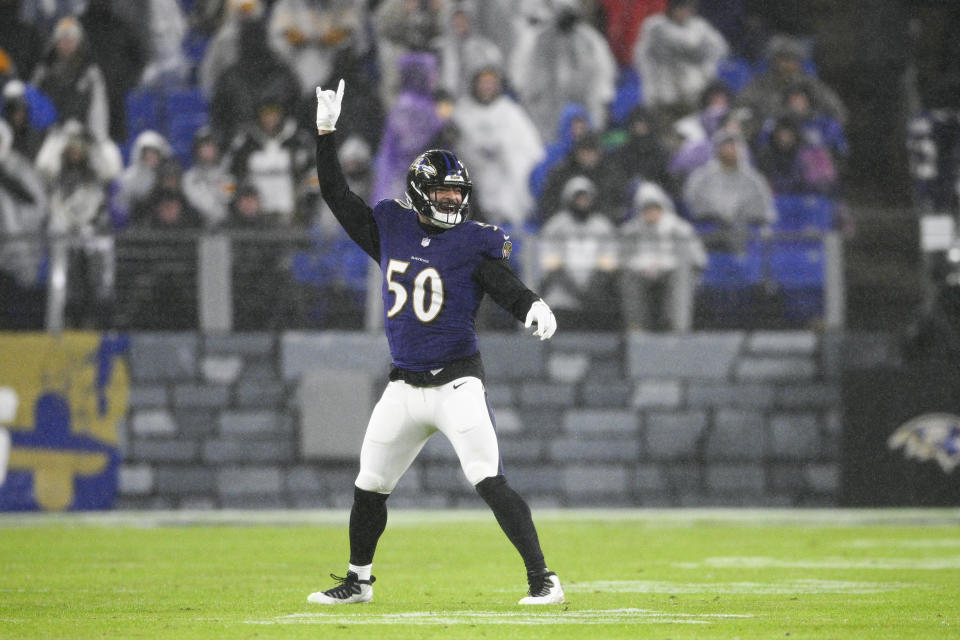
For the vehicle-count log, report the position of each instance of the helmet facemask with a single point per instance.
(445, 212)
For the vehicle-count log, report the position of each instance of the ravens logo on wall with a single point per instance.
(931, 436)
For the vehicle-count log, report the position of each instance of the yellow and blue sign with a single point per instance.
(73, 390)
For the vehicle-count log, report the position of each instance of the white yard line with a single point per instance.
(549, 617)
(772, 588)
(413, 517)
(900, 564)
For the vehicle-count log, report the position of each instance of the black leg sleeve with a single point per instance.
(513, 515)
(368, 519)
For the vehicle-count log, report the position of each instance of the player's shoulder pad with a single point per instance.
(493, 240)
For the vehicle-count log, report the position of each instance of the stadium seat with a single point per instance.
(726, 270)
(799, 268)
(735, 73)
(808, 212)
(143, 111)
(797, 263)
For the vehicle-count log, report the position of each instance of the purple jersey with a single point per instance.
(430, 297)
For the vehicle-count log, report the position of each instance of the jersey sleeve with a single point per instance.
(495, 276)
(348, 208)
(494, 242)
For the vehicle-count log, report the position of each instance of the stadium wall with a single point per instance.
(727, 418)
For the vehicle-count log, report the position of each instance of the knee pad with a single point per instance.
(372, 483)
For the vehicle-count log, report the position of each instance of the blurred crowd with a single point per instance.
(633, 139)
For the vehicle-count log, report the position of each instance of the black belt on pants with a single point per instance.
(469, 366)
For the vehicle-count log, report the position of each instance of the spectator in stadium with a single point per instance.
(641, 157)
(501, 145)
(138, 180)
(622, 24)
(792, 165)
(19, 39)
(166, 29)
(403, 27)
(167, 208)
(20, 110)
(662, 256)
(816, 127)
(578, 259)
(693, 133)
(561, 61)
(224, 48)
(307, 34)
(275, 156)
(411, 125)
(677, 55)
(763, 96)
(462, 50)
(448, 135)
(121, 55)
(162, 299)
(258, 74)
(729, 191)
(208, 185)
(23, 211)
(258, 275)
(74, 82)
(363, 100)
(78, 209)
(574, 123)
(246, 210)
(586, 160)
(45, 14)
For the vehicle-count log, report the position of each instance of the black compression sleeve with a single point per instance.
(348, 208)
(500, 282)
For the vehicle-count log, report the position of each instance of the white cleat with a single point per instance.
(350, 590)
(544, 589)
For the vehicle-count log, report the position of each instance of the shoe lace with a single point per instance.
(540, 584)
(347, 586)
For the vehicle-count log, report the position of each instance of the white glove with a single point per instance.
(541, 314)
(328, 107)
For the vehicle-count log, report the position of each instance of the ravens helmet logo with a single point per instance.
(426, 169)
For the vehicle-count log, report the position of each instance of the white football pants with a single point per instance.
(406, 416)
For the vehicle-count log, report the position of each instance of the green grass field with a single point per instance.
(628, 574)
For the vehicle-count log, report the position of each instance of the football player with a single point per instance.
(437, 265)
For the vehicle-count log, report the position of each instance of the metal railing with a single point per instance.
(279, 279)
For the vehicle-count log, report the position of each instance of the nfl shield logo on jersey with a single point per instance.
(425, 242)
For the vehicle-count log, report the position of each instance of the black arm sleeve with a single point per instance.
(348, 208)
(500, 282)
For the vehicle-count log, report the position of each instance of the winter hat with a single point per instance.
(784, 46)
(577, 185)
(354, 149)
(245, 8)
(68, 27)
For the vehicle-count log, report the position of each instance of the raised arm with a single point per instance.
(353, 214)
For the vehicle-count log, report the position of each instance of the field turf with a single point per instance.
(819, 574)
